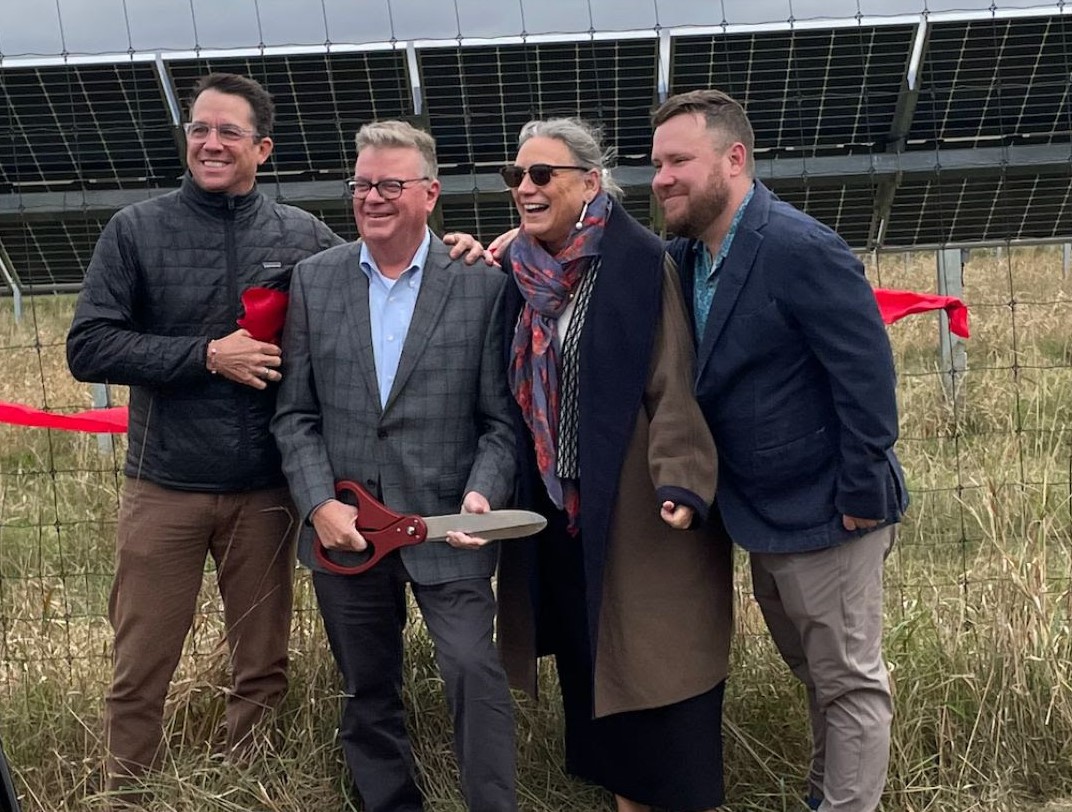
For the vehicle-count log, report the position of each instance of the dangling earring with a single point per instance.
(580, 220)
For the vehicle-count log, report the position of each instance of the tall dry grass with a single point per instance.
(977, 591)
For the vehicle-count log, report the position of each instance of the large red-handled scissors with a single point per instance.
(385, 530)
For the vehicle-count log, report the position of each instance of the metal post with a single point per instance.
(102, 399)
(16, 291)
(954, 356)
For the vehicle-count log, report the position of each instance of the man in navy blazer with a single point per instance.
(795, 377)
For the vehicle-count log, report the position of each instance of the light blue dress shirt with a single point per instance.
(391, 303)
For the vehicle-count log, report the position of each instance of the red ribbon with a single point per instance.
(896, 304)
(266, 311)
(112, 420)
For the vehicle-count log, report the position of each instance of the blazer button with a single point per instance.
(371, 483)
(381, 433)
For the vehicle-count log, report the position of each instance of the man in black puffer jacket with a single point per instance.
(157, 313)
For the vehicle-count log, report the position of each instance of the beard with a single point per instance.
(701, 209)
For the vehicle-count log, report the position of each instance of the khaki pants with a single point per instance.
(163, 538)
(824, 611)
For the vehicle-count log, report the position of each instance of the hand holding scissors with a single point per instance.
(381, 530)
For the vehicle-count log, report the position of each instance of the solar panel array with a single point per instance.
(812, 92)
(321, 101)
(844, 206)
(493, 91)
(84, 126)
(957, 209)
(996, 80)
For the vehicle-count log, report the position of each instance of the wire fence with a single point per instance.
(82, 138)
(985, 438)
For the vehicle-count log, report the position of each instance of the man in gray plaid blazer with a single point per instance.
(393, 377)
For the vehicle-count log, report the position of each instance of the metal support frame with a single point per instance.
(102, 399)
(413, 73)
(898, 135)
(7, 270)
(171, 99)
(951, 348)
(821, 169)
(662, 79)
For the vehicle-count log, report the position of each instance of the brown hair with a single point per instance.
(249, 89)
(724, 115)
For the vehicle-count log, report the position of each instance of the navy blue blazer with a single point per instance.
(795, 377)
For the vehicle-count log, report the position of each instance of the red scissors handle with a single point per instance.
(383, 529)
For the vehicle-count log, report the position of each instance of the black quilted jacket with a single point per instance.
(166, 277)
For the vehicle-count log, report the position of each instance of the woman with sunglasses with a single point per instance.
(629, 587)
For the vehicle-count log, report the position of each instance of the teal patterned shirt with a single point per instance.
(705, 271)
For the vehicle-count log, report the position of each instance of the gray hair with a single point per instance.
(400, 134)
(584, 143)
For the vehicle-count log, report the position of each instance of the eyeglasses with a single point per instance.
(540, 174)
(389, 189)
(227, 133)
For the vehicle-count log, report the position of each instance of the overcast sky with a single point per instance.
(78, 27)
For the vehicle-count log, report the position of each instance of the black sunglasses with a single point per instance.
(540, 174)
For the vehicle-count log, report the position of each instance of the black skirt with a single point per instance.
(668, 757)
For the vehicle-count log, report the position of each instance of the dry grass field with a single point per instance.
(977, 621)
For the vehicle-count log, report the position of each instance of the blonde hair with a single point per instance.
(400, 134)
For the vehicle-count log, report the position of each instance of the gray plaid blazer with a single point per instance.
(446, 429)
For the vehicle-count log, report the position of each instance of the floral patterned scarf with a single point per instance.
(547, 282)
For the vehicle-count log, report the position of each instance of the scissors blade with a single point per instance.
(495, 524)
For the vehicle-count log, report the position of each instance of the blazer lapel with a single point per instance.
(360, 324)
(734, 273)
(432, 298)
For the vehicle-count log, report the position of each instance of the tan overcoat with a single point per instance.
(665, 614)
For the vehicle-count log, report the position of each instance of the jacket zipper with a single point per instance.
(232, 280)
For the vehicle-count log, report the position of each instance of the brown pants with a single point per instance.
(824, 612)
(163, 537)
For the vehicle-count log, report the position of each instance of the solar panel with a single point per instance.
(103, 125)
(805, 89)
(996, 79)
(51, 252)
(965, 209)
(638, 204)
(479, 98)
(339, 220)
(845, 207)
(321, 101)
(815, 95)
(485, 217)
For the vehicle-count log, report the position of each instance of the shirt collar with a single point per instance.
(704, 261)
(416, 264)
